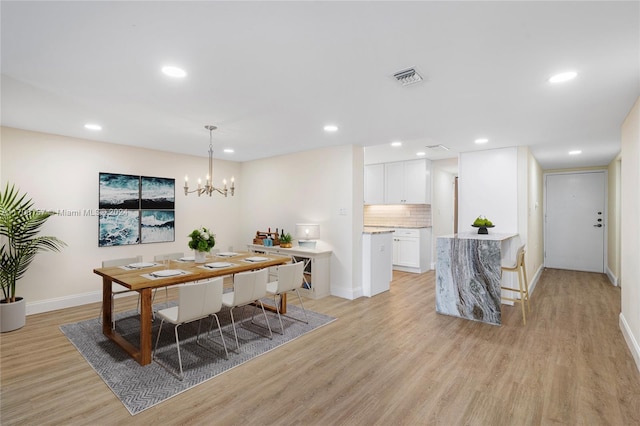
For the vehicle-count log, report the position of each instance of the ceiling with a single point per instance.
(270, 75)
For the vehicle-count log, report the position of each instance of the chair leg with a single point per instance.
(277, 305)
(266, 319)
(522, 299)
(235, 333)
(157, 339)
(224, 344)
(302, 305)
(179, 356)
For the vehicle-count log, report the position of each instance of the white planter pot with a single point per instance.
(201, 256)
(13, 315)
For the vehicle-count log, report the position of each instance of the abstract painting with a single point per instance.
(118, 227)
(135, 209)
(157, 226)
(157, 193)
(119, 191)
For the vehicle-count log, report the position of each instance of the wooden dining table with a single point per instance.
(143, 280)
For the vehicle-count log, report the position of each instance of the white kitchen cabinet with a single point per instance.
(406, 182)
(374, 184)
(412, 249)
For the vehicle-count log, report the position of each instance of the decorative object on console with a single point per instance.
(307, 233)
(261, 236)
(202, 241)
(208, 187)
(482, 223)
(286, 240)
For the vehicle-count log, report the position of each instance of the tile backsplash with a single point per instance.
(409, 215)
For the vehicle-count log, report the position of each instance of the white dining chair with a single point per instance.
(290, 278)
(117, 288)
(163, 258)
(196, 301)
(248, 287)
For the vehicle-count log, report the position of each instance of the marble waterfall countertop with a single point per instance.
(469, 275)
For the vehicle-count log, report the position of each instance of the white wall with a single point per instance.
(488, 185)
(61, 173)
(630, 232)
(442, 198)
(313, 187)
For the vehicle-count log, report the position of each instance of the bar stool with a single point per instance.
(523, 286)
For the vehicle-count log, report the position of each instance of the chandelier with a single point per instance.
(208, 186)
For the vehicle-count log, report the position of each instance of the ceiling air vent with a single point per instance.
(438, 146)
(407, 77)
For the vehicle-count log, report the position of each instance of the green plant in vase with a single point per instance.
(202, 241)
(286, 241)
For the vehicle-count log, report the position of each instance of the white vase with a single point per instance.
(13, 315)
(201, 256)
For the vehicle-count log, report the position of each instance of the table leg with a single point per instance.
(107, 294)
(143, 353)
(146, 317)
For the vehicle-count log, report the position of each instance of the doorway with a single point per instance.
(575, 219)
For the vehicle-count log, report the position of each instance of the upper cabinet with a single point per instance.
(401, 182)
(374, 184)
(407, 182)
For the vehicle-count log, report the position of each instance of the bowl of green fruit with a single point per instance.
(482, 223)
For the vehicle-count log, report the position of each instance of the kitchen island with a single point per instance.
(469, 275)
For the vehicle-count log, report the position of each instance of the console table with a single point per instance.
(316, 279)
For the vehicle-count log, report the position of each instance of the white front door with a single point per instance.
(575, 221)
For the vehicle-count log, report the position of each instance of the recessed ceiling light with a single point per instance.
(396, 143)
(229, 150)
(562, 77)
(482, 140)
(91, 126)
(575, 152)
(330, 128)
(175, 72)
(421, 154)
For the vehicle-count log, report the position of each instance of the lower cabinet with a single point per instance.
(412, 249)
(316, 279)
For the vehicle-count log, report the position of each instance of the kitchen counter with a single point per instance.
(395, 226)
(376, 230)
(469, 274)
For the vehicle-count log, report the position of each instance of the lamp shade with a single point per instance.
(307, 231)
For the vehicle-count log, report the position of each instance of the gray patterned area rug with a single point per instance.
(141, 387)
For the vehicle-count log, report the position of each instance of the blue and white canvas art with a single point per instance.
(157, 226)
(119, 191)
(157, 193)
(118, 227)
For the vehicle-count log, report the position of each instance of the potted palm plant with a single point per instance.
(20, 224)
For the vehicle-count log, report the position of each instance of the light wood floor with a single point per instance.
(388, 360)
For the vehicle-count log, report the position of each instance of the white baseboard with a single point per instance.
(346, 293)
(632, 343)
(67, 302)
(612, 277)
(535, 279)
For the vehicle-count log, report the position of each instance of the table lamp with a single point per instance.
(306, 233)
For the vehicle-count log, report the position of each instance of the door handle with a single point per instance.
(598, 225)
